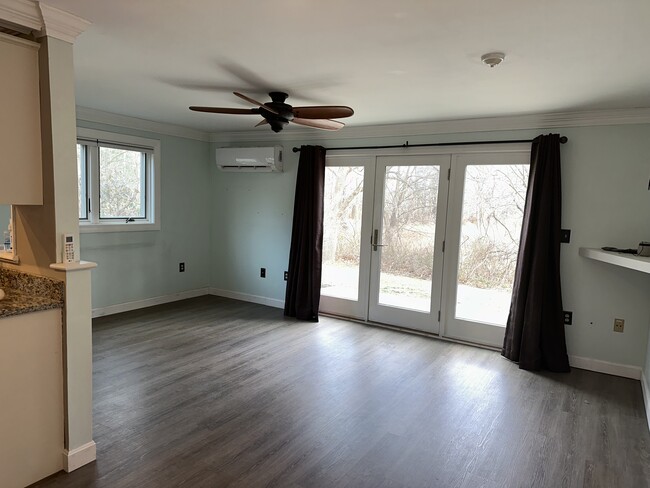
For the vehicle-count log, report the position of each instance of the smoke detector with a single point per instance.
(492, 59)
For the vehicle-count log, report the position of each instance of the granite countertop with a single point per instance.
(28, 293)
(16, 302)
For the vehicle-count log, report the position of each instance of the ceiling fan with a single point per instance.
(278, 114)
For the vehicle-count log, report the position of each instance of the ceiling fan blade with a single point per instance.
(323, 112)
(255, 102)
(324, 124)
(262, 122)
(220, 110)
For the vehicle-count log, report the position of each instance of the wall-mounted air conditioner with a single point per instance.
(249, 159)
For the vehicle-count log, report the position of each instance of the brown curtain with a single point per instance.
(535, 328)
(305, 258)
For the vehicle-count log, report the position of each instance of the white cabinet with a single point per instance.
(21, 180)
(31, 393)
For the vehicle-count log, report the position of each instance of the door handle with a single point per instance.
(374, 241)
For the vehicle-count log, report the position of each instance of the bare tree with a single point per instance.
(493, 206)
(121, 183)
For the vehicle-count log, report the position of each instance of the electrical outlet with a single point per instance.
(286, 275)
(619, 325)
(262, 272)
(568, 318)
(181, 267)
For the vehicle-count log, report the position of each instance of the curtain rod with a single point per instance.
(563, 140)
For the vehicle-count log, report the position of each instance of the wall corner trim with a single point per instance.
(645, 386)
(79, 456)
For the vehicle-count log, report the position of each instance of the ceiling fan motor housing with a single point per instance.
(276, 122)
(283, 115)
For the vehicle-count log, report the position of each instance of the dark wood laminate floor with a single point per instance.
(212, 392)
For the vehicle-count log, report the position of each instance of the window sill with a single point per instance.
(130, 227)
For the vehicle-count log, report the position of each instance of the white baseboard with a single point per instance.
(148, 302)
(645, 386)
(245, 297)
(79, 457)
(616, 369)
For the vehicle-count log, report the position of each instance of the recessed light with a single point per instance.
(493, 59)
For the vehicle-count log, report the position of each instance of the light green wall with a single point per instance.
(605, 202)
(134, 266)
(251, 229)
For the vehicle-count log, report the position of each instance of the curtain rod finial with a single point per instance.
(564, 139)
(296, 149)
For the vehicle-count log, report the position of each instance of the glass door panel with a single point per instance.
(342, 231)
(486, 213)
(410, 209)
(408, 236)
(493, 210)
(344, 284)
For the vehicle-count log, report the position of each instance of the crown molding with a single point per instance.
(61, 24)
(108, 118)
(22, 13)
(485, 124)
(42, 19)
(460, 126)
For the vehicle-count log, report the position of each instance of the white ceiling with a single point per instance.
(407, 61)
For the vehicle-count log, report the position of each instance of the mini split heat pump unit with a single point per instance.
(250, 159)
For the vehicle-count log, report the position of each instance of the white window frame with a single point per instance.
(94, 224)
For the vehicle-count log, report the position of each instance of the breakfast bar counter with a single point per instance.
(16, 302)
(26, 293)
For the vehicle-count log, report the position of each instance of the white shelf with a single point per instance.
(77, 266)
(629, 261)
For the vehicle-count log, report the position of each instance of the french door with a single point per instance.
(384, 232)
(425, 242)
(410, 208)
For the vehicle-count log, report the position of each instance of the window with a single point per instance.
(118, 181)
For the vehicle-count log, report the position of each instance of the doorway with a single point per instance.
(425, 242)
